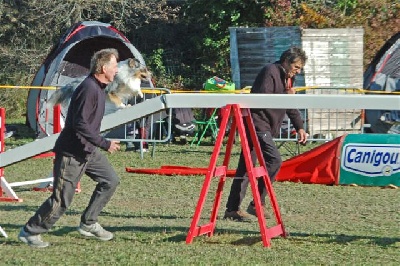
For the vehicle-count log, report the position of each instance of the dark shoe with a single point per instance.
(239, 216)
(32, 240)
(130, 149)
(95, 230)
(251, 209)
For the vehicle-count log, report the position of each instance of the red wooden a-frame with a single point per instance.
(239, 116)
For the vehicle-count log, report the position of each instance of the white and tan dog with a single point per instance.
(125, 85)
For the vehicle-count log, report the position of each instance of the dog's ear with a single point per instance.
(133, 63)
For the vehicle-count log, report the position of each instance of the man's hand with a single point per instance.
(291, 90)
(114, 146)
(302, 136)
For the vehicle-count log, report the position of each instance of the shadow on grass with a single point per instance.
(180, 234)
(21, 132)
(321, 238)
(342, 239)
(32, 209)
(248, 239)
(19, 207)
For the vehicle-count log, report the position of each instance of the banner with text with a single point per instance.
(370, 160)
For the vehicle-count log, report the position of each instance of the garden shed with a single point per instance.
(335, 65)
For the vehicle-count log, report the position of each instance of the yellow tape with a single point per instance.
(28, 87)
(241, 91)
(159, 90)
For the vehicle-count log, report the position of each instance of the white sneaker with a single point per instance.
(32, 240)
(95, 230)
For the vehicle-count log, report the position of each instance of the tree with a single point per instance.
(29, 29)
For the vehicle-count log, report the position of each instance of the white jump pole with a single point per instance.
(3, 232)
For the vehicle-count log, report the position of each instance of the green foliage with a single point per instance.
(156, 60)
(212, 20)
(29, 29)
(11, 98)
(347, 5)
(379, 19)
(170, 77)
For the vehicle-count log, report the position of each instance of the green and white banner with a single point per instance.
(370, 160)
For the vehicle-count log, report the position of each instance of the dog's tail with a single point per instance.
(63, 95)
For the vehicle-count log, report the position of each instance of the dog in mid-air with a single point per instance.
(125, 85)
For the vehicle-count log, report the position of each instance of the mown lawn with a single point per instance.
(151, 214)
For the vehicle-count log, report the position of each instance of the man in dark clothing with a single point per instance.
(276, 78)
(76, 153)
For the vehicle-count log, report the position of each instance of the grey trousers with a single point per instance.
(273, 161)
(67, 173)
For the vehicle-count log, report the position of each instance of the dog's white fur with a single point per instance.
(125, 85)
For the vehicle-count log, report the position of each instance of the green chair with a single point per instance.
(207, 124)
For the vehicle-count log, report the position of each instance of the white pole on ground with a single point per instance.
(3, 232)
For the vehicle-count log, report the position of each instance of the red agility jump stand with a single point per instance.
(6, 193)
(239, 115)
(2, 130)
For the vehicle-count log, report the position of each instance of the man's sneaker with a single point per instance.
(95, 230)
(32, 240)
(251, 209)
(239, 216)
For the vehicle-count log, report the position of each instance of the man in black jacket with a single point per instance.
(76, 153)
(276, 78)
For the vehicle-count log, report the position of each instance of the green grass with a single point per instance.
(151, 214)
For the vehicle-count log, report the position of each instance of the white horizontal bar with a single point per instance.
(212, 100)
(30, 182)
(131, 113)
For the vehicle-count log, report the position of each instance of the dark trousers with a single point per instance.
(67, 173)
(273, 161)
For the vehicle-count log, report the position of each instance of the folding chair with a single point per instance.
(207, 124)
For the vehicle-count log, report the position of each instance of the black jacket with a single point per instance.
(81, 134)
(272, 80)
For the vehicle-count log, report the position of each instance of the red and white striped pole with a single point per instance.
(2, 130)
(6, 192)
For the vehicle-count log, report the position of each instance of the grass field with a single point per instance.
(151, 214)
